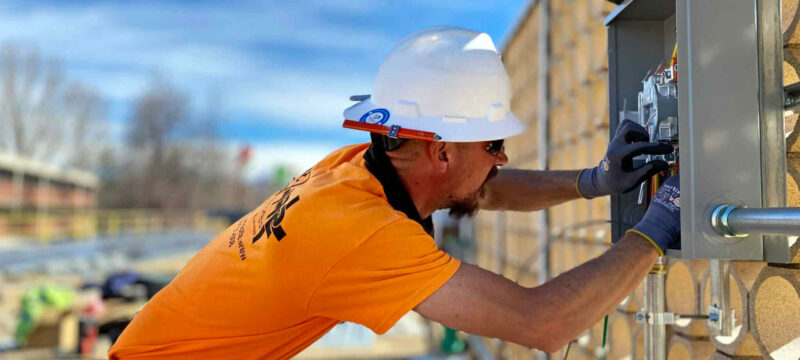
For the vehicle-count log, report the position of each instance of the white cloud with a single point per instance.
(239, 49)
(114, 85)
(133, 33)
(87, 36)
(117, 48)
(206, 60)
(307, 99)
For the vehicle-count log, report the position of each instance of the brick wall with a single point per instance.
(53, 195)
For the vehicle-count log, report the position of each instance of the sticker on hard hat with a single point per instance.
(376, 116)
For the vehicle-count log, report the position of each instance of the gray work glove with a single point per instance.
(616, 174)
(661, 223)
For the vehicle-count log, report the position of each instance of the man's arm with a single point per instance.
(549, 315)
(529, 190)
(545, 317)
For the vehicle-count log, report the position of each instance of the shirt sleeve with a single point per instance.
(383, 278)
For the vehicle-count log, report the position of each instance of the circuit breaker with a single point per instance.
(706, 77)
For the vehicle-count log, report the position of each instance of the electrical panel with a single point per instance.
(706, 77)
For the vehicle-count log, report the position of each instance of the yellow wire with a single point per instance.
(674, 56)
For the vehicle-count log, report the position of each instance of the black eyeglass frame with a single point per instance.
(496, 146)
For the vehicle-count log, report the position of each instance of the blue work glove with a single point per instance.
(661, 223)
(616, 174)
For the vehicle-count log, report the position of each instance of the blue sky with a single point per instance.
(283, 70)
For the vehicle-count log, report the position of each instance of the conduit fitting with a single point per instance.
(738, 221)
(719, 221)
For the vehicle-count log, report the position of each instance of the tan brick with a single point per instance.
(680, 348)
(682, 289)
(621, 328)
(638, 344)
(582, 58)
(633, 302)
(774, 305)
(601, 8)
(789, 19)
(792, 181)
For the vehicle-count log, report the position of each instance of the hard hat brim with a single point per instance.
(450, 129)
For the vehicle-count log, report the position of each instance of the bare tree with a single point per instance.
(174, 160)
(156, 116)
(42, 116)
(84, 128)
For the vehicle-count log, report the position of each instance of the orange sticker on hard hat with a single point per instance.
(394, 131)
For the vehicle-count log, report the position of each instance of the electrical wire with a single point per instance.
(695, 316)
(605, 332)
(566, 353)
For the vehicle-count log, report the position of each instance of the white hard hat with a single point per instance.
(442, 83)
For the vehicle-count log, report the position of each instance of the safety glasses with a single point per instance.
(495, 146)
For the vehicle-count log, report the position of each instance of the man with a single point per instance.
(348, 240)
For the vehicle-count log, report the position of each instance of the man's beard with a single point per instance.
(469, 206)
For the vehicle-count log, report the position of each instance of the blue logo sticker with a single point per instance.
(376, 116)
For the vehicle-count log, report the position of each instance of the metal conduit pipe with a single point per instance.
(733, 221)
(655, 336)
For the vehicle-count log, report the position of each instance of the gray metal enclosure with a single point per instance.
(729, 109)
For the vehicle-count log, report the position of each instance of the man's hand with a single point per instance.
(662, 222)
(616, 174)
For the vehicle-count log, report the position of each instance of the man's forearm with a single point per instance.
(529, 190)
(577, 299)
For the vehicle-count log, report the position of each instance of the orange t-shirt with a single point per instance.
(330, 247)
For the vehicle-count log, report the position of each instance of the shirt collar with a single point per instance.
(381, 167)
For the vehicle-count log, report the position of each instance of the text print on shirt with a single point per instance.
(274, 219)
(272, 225)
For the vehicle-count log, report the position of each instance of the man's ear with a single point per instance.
(437, 152)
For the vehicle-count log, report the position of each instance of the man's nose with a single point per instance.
(501, 158)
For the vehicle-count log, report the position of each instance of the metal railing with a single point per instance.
(85, 224)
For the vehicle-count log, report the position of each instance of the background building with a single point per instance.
(31, 185)
(32, 193)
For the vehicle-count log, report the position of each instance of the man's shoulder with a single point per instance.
(347, 201)
(337, 197)
(343, 171)
(347, 154)
(340, 179)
